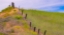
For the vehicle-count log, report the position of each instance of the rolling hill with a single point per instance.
(13, 23)
(53, 22)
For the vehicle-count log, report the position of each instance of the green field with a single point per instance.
(53, 22)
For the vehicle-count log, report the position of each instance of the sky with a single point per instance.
(34, 4)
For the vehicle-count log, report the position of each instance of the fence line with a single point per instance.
(30, 25)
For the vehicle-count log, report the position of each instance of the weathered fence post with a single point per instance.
(34, 29)
(25, 16)
(13, 5)
(45, 32)
(38, 31)
(9, 5)
(22, 11)
(30, 24)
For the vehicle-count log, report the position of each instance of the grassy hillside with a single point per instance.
(53, 22)
(8, 9)
(13, 23)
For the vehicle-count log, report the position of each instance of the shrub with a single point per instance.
(18, 17)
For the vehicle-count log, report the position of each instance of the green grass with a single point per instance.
(53, 22)
(19, 17)
(2, 33)
(8, 9)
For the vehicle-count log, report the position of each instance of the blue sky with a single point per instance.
(35, 4)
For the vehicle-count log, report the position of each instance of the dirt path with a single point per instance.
(13, 24)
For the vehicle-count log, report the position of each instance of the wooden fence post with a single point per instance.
(25, 16)
(38, 31)
(13, 5)
(22, 12)
(34, 29)
(30, 24)
(45, 32)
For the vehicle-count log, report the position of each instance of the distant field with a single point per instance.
(53, 22)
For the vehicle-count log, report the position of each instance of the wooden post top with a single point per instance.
(12, 4)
